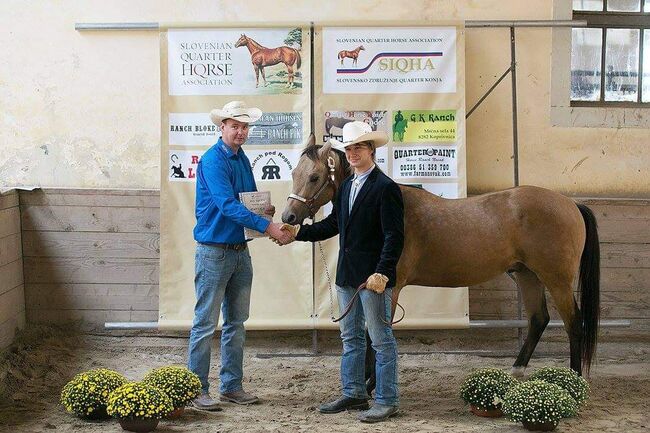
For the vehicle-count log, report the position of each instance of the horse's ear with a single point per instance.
(324, 151)
(311, 141)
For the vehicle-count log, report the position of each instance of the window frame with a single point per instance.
(615, 20)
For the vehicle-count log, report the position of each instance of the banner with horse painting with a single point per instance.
(202, 69)
(236, 62)
(408, 82)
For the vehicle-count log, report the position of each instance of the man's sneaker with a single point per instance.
(205, 402)
(239, 397)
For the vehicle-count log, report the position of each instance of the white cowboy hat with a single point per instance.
(356, 132)
(236, 110)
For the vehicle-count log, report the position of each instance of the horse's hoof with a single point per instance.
(518, 372)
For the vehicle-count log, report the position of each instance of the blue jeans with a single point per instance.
(223, 280)
(368, 308)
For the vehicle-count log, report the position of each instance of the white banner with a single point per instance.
(426, 162)
(389, 60)
(192, 129)
(183, 164)
(273, 165)
(229, 62)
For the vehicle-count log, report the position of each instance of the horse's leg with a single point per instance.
(289, 76)
(561, 290)
(532, 293)
(263, 75)
(257, 75)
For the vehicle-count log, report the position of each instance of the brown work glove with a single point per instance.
(377, 283)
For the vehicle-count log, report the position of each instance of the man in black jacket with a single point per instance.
(368, 216)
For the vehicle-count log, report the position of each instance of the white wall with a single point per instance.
(81, 109)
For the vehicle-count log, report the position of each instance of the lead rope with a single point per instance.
(329, 281)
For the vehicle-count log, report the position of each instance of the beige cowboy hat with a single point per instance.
(356, 132)
(236, 110)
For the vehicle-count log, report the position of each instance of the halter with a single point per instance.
(309, 202)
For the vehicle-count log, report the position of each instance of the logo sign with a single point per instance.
(336, 120)
(273, 165)
(192, 129)
(229, 62)
(429, 162)
(276, 128)
(424, 126)
(389, 60)
(182, 165)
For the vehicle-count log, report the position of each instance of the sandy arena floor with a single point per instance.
(291, 388)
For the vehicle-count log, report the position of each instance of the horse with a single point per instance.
(354, 54)
(262, 56)
(540, 238)
(338, 122)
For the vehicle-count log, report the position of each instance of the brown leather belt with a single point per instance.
(236, 247)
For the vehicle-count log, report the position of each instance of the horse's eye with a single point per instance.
(313, 178)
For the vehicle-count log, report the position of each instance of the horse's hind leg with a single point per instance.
(532, 293)
(289, 77)
(562, 292)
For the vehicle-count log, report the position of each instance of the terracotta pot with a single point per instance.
(176, 413)
(540, 426)
(139, 425)
(488, 413)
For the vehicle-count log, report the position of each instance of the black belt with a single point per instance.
(236, 247)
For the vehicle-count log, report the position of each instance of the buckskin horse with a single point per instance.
(354, 54)
(541, 239)
(262, 56)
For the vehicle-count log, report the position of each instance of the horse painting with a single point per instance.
(541, 239)
(354, 54)
(336, 122)
(262, 56)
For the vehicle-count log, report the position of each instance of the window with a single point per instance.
(610, 58)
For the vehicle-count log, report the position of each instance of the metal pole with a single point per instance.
(515, 152)
(488, 92)
(487, 324)
(468, 24)
(116, 26)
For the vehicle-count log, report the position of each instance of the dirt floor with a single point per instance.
(291, 387)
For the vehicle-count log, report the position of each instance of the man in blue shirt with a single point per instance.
(223, 270)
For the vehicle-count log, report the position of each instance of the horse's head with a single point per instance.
(361, 48)
(316, 178)
(242, 41)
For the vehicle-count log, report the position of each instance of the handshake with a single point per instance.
(282, 234)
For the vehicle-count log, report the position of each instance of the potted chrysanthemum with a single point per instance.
(138, 406)
(179, 383)
(86, 395)
(484, 390)
(567, 379)
(538, 405)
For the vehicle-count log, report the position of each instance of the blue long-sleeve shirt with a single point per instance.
(220, 176)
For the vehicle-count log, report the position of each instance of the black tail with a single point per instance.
(589, 286)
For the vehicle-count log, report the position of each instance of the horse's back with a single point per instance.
(484, 235)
